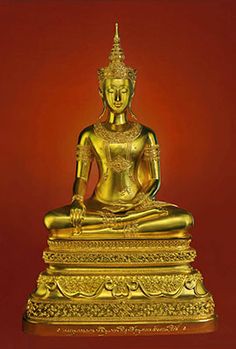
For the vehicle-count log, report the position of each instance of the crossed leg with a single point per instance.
(150, 220)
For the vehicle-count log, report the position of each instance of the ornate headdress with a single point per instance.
(116, 68)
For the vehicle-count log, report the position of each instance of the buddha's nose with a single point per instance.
(117, 96)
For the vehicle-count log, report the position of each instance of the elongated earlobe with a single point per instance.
(104, 108)
(100, 92)
(131, 111)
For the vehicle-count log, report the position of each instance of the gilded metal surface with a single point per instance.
(119, 262)
(126, 136)
(119, 258)
(116, 69)
(173, 328)
(140, 245)
(118, 311)
(128, 158)
(120, 286)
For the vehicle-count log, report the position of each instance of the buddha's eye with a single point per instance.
(110, 90)
(124, 90)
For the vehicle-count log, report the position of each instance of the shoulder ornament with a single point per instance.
(118, 136)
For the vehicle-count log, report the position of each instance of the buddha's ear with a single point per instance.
(100, 92)
(132, 83)
(132, 87)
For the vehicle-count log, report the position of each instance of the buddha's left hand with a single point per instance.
(137, 200)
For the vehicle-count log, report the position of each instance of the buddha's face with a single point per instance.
(117, 93)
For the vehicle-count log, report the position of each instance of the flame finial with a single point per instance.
(116, 37)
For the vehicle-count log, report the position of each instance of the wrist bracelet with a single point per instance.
(77, 197)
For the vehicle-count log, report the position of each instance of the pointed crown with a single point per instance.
(116, 68)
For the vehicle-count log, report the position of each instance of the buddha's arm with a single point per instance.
(84, 157)
(152, 159)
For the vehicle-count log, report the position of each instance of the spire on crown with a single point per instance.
(116, 68)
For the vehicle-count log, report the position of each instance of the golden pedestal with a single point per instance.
(131, 286)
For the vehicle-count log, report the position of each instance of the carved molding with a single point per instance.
(169, 257)
(120, 286)
(118, 245)
(100, 311)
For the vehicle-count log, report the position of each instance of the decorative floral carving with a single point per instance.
(84, 152)
(120, 164)
(152, 152)
(119, 136)
(121, 258)
(120, 286)
(117, 245)
(59, 311)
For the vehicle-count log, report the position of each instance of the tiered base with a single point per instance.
(90, 330)
(119, 287)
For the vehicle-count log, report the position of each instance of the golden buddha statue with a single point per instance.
(128, 159)
(119, 261)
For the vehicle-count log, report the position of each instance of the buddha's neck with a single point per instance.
(117, 119)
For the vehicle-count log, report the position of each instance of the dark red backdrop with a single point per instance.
(50, 51)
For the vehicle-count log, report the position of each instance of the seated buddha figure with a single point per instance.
(127, 154)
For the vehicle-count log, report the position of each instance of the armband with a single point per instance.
(152, 152)
(84, 153)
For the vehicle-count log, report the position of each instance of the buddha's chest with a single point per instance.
(119, 157)
(118, 151)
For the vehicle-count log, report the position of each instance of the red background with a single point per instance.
(50, 51)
